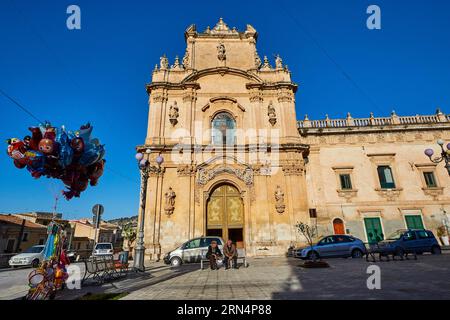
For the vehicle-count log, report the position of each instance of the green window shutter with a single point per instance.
(414, 222)
(386, 177)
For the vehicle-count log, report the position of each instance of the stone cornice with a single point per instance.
(273, 86)
(170, 85)
(155, 148)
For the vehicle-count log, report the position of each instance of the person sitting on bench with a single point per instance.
(230, 253)
(213, 255)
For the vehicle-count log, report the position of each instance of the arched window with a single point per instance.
(223, 129)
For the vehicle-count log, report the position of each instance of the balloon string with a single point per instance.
(19, 105)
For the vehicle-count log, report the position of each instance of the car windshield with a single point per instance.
(103, 246)
(396, 235)
(35, 249)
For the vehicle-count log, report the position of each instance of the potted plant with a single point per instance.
(443, 235)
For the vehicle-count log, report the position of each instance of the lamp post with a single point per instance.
(445, 155)
(145, 168)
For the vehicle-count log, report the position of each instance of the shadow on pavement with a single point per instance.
(131, 282)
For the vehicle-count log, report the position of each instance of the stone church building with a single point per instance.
(238, 164)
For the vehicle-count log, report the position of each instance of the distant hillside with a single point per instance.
(124, 221)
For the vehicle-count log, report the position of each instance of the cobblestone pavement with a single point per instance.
(282, 278)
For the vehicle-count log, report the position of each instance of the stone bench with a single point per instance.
(241, 257)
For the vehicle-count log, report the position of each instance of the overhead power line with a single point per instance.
(27, 111)
(19, 105)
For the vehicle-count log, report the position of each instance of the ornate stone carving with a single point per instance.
(221, 27)
(272, 114)
(176, 65)
(389, 194)
(279, 200)
(262, 170)
(186, 170)
(155, 171)
(205, 175)
(173, 113)
(170, 201)
(164, 62)
(434, 192)
(285, 95)
(255, 95)
(347, 194)
(221, 52)
(266, 65)
(292, 170)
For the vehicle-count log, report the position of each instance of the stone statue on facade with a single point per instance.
(279, 200)
(257, 60)
(272, 114)
(170, 201)
(186, 59)
(221, 52)
(174, 113)
(164, 62)
(278, 62)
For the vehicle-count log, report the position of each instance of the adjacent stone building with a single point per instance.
(228, 157)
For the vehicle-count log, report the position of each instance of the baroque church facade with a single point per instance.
(238, 164)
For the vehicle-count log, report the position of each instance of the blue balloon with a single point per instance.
(92, 154)
(65, 151)
(37, 161)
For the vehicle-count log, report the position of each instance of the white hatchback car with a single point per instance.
(103, 249)
(30, 257)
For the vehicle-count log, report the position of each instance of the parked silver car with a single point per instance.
(103, 249)
(30, 257)
(334, 246)
(191, 251)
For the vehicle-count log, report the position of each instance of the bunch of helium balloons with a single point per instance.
(73, 157)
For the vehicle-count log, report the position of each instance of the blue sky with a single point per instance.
(98, 73)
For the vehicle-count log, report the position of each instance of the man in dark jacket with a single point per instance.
(230, 252)
(213, 255)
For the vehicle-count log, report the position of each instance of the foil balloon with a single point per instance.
(75, 158)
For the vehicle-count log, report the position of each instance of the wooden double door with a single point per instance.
(225, 214)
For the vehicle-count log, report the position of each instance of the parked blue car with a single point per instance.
(410, 241)
(334, 246)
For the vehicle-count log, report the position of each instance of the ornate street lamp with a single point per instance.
(445, 155)
(145, 168)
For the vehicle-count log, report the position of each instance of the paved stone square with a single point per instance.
(282, 278)
(267, 278)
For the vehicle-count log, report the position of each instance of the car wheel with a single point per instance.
(313, 255)
(357, 254)
(175, 262)
(399, 252)
(436, 250)
(35, 263)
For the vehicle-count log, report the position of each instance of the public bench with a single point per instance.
(374, 249)
(101, 269)
(241, 257)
